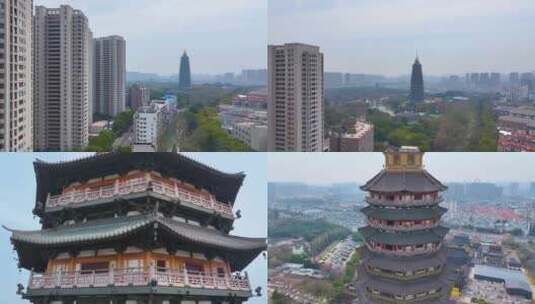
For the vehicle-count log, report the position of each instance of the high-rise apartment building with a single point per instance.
(109, 83)
(15, 75)
(184, 81)
(138, 96)
(417, 82)
(62, 78)
(295, 98)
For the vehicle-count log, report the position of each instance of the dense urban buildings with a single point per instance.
(516, 127)
(62, 52)
(184, 81)
(417, 82)
(135, 228)
(138, 96)
(16, 110)
(404, 260)
(295, 98)
(109, 64)
(359, 138)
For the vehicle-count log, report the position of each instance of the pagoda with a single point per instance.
(135, 228)
(403, 258)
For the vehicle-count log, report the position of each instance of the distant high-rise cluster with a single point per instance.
(295, 98)
(184, 82)
(15, 77)
(62, 78)
(109, 75)
(417, 82)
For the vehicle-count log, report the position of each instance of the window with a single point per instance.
(161, 265)
(194, 268)
(101, 267)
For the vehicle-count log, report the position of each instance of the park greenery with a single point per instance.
(202, 131)
(443, 126)
(104, 141)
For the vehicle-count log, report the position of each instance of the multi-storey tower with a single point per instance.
(295, 98)
(404, 260)
(109, 82)
(62, 78)
(417, 82)
(139, 228)
(184, 81)
(16, 121)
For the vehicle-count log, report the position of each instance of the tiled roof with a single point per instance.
(114, 228)
(404, 238)
(399, 181)
(398, 214)
(52, 177)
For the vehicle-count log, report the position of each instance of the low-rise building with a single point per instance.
(147, 126)
(360, 138)
(515, 282)
(252, 134)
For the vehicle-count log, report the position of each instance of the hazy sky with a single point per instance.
(382, 36)
(323, 168)
(221, 36)
(17, 199)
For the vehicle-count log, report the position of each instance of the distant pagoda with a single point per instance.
(417, 82)
(138, 228)
(184, 77)
(404, 260)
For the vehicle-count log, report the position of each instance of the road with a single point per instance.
(124, 140)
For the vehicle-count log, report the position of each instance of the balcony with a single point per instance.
(402, 228)
(168, 189)
(138, 277)
(404, 202)
(403, 252)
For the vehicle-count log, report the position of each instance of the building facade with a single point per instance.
(403, 258)
(109, 82)
(295, 98)
(138, 96)
(147, 126)
(62, 74)
(254, 135)
(16, 109)
(184, 77)
(142, 228)
(359, 139)
(417, 82)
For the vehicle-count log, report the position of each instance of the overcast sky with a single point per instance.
(382, 36)
(325, 168)
(221, 36)
(17, 199)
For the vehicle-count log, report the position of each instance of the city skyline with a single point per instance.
(359, 167)
(371, 37)
(155, 45)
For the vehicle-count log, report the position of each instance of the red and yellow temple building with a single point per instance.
(138, 228)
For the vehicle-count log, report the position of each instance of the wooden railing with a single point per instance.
(138, 277)
(402, 252)
(404, 202)
(136, 185)
(400, 227)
